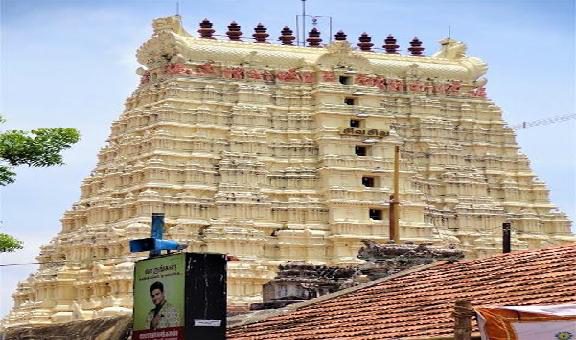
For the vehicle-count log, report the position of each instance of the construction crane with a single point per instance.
(544, 121)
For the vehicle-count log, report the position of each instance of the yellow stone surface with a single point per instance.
(252, 150)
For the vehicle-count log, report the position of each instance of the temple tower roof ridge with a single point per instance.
(172, 43)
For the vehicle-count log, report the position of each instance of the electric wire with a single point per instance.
(79, 262)
(544, 121)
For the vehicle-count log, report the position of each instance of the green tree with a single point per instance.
(35, 148)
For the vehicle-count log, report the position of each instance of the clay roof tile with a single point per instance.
(418, 303)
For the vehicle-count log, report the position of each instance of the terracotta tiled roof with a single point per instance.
(418, 304)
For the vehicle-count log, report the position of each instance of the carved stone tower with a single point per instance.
(275, 153)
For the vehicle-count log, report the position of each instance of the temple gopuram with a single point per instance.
(273, 152)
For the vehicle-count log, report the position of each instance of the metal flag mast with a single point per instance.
(301, 38)
(303, 22)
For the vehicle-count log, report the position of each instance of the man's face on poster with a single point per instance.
(157, 296)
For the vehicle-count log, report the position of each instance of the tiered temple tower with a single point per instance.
(275, 152)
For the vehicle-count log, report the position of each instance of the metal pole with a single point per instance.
(303, 22)
(506, 238)
(297, 31)
(157, 230)
(394, 213)
(330, 29)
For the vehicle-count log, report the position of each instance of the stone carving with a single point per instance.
(169, 24)
(451, 49)
(375, 252)
(206, 68)
(341, 55)
(177, 69)
(328, 76)
(388, 259)
(340, 46)
(295, 76)
(456, 50)
(413, 71)
(299, 281)
(233, 73)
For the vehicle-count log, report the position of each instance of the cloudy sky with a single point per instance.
(71, 63)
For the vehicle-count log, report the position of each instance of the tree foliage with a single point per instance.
(36, 148)
(9, 243)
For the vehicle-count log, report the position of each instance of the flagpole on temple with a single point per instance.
(303, 22)
(394, 213)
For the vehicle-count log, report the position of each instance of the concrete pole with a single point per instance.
(394, 212)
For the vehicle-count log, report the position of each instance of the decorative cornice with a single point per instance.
(171, 44)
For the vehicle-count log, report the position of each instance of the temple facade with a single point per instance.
(276, 153)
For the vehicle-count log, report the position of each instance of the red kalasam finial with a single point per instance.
(234, 31)
(416, 48)
(340, 36)
(286, 36)
(390, 45)
(314, 39)
(260, 34)
(364, 42)
(206, 31)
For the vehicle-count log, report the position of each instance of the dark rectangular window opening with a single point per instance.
(355, 123)
(350, 101)
(361, 150)
(345, 80)
(375, 214)
(368, 181)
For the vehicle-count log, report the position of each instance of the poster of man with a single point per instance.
(164, 314)
(159, 290)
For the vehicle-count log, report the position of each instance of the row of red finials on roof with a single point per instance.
(234, 33)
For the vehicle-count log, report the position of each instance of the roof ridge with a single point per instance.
(518, 253)
(266, 314)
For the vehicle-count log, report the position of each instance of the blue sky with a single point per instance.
(72, 64)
